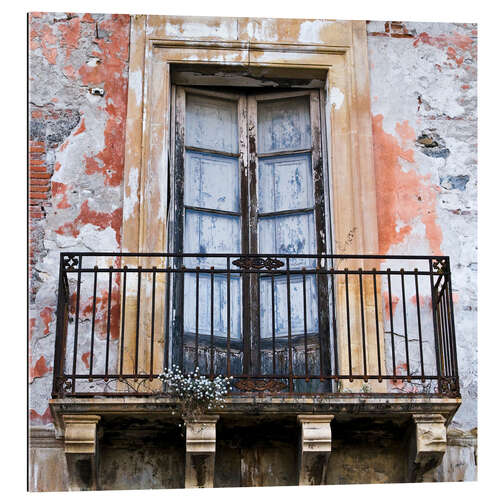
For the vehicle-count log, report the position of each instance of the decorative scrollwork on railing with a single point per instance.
(440, 265)
(260, 385)
(258, 263)
(70, 262)
(63, 384)
(450, 387)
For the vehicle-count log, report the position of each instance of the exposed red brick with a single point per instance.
(39, 189)
(39, 175)
(39, 196)
(39, 182)
(34, 161)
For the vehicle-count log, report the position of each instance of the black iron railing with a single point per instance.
(278, 324)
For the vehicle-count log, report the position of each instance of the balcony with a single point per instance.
(312, 326)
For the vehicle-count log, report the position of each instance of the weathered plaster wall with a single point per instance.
(423, 97)
(76, 162)
(423, 91)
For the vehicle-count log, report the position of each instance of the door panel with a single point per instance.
(208, 305)
(249, 324)
(201, 190)
(211, 123)
(289, 222)
(284, 124)
(285, 183)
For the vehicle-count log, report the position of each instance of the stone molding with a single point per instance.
(315, 448)
(200, 451)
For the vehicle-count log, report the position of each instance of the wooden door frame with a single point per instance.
(338, 47)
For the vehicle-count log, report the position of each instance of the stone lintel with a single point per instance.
(80, 447)
(315, 448)
(200, 451)
(430, 444)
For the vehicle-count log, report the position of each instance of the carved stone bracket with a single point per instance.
(315, 448)
(429, 446)
(80, 447)
(200, 452)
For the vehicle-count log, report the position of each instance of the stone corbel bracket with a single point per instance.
(80, 448)
(430, 444)
(200, 452)
(315, 448)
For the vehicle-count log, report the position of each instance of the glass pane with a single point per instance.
(210, 233)
(285, 183)
(292, 234)
(205, 306)
(211, 181)
(284, 125)
(211, 123)
(281, 306)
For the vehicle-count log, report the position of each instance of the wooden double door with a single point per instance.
(248, 176)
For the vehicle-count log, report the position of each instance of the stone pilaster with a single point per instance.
(80, 448)
(428, 445)
(200, 452)
(315, 448)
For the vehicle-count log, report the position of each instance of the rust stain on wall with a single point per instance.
(99, 219)
(112, 56)
(404, 197)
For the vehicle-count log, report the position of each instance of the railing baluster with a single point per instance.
(181, 326)
(444, 324)
(435, 320)
(289, 323)
(77, 318)
(61, 330)
(452, 323)
(348, 316)
(153, 297)
(405, 325)
(197, 316)
(137, 322)
(258, 357)
(122, 333)
(334, 322)
(92, 333)
(389, 287)
(166, 344)
(321, 340)
(108, 321)
(228, 310)
(304, 293)
(377, 328)
(273, 317)
(419, 324)
(363, 332)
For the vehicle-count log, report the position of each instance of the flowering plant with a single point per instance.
(196, 392)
